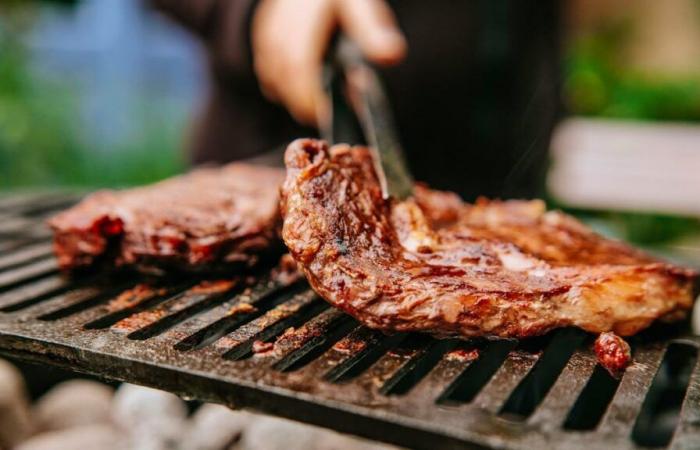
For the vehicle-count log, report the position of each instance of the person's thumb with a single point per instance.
(372, 25)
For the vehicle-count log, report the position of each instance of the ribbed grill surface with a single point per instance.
(278, 348)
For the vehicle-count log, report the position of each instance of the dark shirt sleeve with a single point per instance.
(222, 25)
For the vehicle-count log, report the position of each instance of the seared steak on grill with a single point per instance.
(209, 218)
(435, 264)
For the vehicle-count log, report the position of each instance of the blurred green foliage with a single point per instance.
(597, 84)
(653, 228)
(40, 143)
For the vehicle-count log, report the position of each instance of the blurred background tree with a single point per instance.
(634, 59)
(57, 127)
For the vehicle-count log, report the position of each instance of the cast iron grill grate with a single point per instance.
(213, 342)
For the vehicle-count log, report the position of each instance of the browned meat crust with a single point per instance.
(613, 353)
(209, 218)
(435, 264)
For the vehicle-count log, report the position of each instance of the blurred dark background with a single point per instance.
(100, 92)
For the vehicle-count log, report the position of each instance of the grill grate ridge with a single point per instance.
(293, 312)
(24, 255)
(207, 327)
(565, 391)
(31, 294)
(394, 365)
(77, 300)
(131, 302)
(314, 363)
(310, 341)
(356, 352)
(154, 321)
(27, 273)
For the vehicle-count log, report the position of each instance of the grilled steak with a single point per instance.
(209, 218)
(435, 264)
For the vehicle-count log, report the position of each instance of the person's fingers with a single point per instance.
(289, 42)
(303, 93)
(290, 38)
(265, 45)
(372, 25)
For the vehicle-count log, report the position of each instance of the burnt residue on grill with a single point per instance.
(241, 308)
(613, 353)
(145, 323)
(260, 348)
(134, 296)
(350, 346)
(138, 321)
(264, 340)
(460, 354)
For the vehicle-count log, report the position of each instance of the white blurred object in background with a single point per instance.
(627, 166)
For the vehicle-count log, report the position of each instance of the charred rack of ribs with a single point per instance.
(435, 264)
(210, 218)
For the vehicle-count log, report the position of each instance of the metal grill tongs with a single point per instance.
(358, 98)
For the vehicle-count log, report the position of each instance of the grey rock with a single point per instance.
(215, 427)
(103, 437)
(273, 433)
(74, 403)
(153, 419)
(15, 422)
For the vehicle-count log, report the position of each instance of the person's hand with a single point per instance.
(290, 38)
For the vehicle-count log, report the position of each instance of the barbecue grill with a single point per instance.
(213, 344)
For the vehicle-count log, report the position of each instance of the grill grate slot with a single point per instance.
(466, 387)
(504, 383)
(658, 417)
(391, 368)
(275, 346)
(23, 234)
(289, 314)
(27, 273)
(566, 390)
(8, 245)
(593, 401)
(687, 433)
(132, 301)
(24, 255)
(624, 407)
(313, 339)
(417, 367)
(31, 294)
(209, 327)
(540, 378)
(449, 372)
(14, 226)
(41, 206)
(10, 203)
(77, 300)
(357, 351)
(152, 322)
